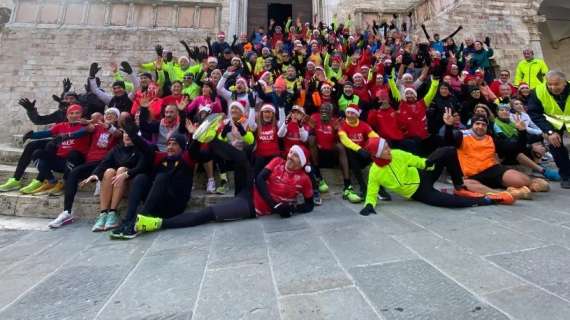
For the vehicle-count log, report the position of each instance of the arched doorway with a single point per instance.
(260, 11)
(555, 32)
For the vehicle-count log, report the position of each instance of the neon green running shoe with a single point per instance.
(351, 196)
(323, 186)
(10, 185)
(208, 130)
(147, 224)
(31, 187)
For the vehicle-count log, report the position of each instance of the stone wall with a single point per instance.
(43, 44)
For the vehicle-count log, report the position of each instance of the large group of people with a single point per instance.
(278, 106)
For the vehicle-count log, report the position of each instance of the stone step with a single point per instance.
(9, 154)
(86, 206)
(16, 141)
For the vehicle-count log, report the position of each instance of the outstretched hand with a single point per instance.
(27, 104)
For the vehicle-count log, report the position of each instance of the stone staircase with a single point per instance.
(86, 205)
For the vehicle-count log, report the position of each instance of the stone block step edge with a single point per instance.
(86, 206)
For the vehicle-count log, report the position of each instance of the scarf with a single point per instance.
(508, 128)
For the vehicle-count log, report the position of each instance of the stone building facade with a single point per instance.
(43, 41)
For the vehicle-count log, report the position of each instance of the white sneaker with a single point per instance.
(97, 189)
(211, 186)
(64, 218)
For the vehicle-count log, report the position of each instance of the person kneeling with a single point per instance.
(413, 177)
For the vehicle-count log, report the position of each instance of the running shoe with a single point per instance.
(464, 193)
(317, 198)
(323, 186)
(207, 131)
(565, 183)
(112, 221)
(100, 222)
(33, 185)
(64, 218)
(45, 188)
(351, 196)
(522, 193)
(211, 186)
(57, 190)
(147, 224)
(10, 185)
(125, 232)
(503, 197)
(383, 195)
(551, 174)
(539, 185)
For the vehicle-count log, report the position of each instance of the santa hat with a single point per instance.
(407, 75)
(221, 34)
(302, 157)
(337, 59)
(325, 84)
(236, 58)
(183, 58)
(388, 61)
(114, 111)
(74, 108)
(353, 108)
(356, 75)
(412, 90)
(310, 63)
(298, 108)
(375, 146)
(238, 104)
(212, 59)
(523, 85)
(242, 79)
(267, 107)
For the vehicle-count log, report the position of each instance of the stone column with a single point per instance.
(534, 35)
(238, 8)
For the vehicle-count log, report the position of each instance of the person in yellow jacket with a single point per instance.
(549, 109)
(530, 70)
(413, 177)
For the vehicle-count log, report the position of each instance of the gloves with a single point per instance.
(363, 153)
(488, 41)
(226, 130)
(429, 165)
(168, 56)
(126, 67)
(56, 98)
(27, 135)
(159, 50)
(66, 85)
(93, 69)
(283, 209)
(58, 139)
(367, 210)
(27, 104)
(240, 128)
(235, 38)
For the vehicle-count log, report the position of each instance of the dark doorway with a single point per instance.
(279, 12)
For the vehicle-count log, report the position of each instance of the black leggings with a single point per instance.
(240, 207)
(26, 156)
(48, 162)
(138, 191)
(357, 164)
(445, 157)
(78, 173)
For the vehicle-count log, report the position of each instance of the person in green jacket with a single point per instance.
(413, 177)
(530, 70)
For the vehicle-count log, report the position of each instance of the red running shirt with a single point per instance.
(325, 134)
(283, 186)
(80, 144)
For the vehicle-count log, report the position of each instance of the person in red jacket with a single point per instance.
(104, 136)
(67, 150)
(266, 139)
(325, 146)
(294, 131)
(504, 78)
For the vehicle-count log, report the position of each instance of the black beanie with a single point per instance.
(179, 138)
(119, 84)
(479, 118)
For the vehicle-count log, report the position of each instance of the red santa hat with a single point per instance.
(242, 80)
(205, 108)
(523, 85)
(412, 90)
(221, 34)
(353, 108)
(213, 59)
(280, 83)
(375, 146)
(300, 152)
(240, 105)
(267, 107)
(357, 75)
(298, 108)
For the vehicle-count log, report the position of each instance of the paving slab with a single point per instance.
(341, 304)
(547, 267)
(530, 303)
(362, 245)
(415, 290)
(26, 246)
(548, 232)
(472, 271)
(238, 243)
(242, 292)
(274, 223)
(177, 294)
(302, 263)
(11, 236)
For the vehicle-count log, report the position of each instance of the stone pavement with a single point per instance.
(410, 261)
